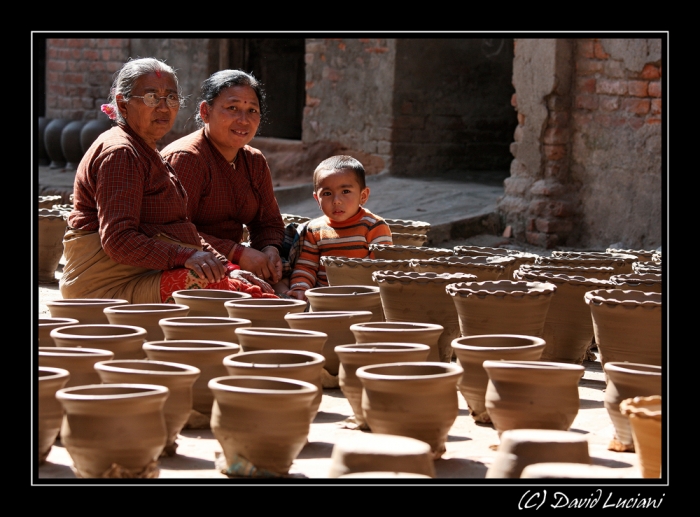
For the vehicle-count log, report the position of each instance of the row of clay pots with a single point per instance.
(63, 142)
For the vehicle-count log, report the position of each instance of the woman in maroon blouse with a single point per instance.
(128, 234)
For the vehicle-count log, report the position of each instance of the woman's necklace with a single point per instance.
(233, 162)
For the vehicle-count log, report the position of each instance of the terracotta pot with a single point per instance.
(70, 143)
(397, 252)
(532, 394)
(262, 423)
(509, 262)
(647, 282)
(125, 341)
(46, 325)
(627, 325)
(502, 307)
(264, 312)
(40, 142)
(354, 356)
(644, 414)
(622, 261)
(521, 257)
(568, 329)
(49, 410)
(202, 327)
(414, 399)
(146, 315)
(52, 142)
(421, 298)
(335, 324)
(620, 265)
(353, 271)
(346, 298)
(599, 272)
(50, 230)
(647, 267)
(80, 362)
(568, 470)
(273, 338)
(205, 355)
(400, 332)
(287, 364)
(479, 268)
(91, 130)
(49, 201)
(407, 226)
(207, 302)
(408, 239)
(114, 430)
(624, 381)
(472, 351)
(641, 255)
(86, 310)
(522, 447)
(177, 377)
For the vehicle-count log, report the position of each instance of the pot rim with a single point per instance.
(201, 294)
(272, 331)
(461, 343)
(171, 345)
(122, 365)
(450, 370)
(68, 331)
(321, 315)
(276, 303)
(198, 321)
(54, 373)
(542, 365)
(145, 307)
(67, 302)
(314, 358)
(344, 290)
(391, 347)
(410, 326)
(636, 368)
(140, 390)
(303, 387)
(63, 351)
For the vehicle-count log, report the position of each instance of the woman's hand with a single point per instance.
(206, 265)
(299, 295)
(264, 264)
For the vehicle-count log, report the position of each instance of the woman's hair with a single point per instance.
(126, 76)
(218, 81)
(340, 162)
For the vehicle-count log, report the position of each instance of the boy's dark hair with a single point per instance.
(340, 162)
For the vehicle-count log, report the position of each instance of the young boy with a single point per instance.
(346, 229)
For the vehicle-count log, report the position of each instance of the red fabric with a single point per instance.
(183, 278)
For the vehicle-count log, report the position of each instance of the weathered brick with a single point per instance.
(609, 120)
(614, 69)
(588, 67)
(654, 89)
(556, 135)
(585, 84)
(638, 88)
(656, 106)
(558, 118)
(586, 102)
(599, 51)
(651, 72)
(609, 103)
(611, 87)
(653, 120)
(554, 152)
(585, 48)
(636, 106)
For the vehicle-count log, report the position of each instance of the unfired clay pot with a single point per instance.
(478, 267)
(645, 414)
(408, 239)
(568, 470)
(648, 282)
(288, 364)
(407, 226)
(624, 381)
(49, 410)
(177, 377)
(400, 332)
(532, 394)
(421, 298)
(414, 399)
(622, 261)
(207, 302)
(354, 356)
(262, 423)
(146, 315)
(50, 229)
(472, 351)
(79, 361)
(335, 324)
(114, 430)
(274, 338)
(641, 255)
(206, 355)
(354, 271)
(619, 265)
(398, 252)
(264, 312)
(46, 325)
(346, 298)
(215, 328)
(599, 272)
(502, 306)
(125, 341)
(627, 325)
(647, 267)
(86, 310)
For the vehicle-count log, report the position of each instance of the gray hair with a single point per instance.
(126, 76)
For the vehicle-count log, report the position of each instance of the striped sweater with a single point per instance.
(324, 238)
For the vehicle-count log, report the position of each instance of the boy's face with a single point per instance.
(339, 195)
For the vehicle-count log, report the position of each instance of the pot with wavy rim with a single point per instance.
(648, 282)
(481, 268)
(640, 254)
(49, 410)
(79, 361)
(86, 310)
(407, 226)
(264, 312)
(408, 239)
(403, 252)
(146, 315)
(346, 298)
(207, 302)
(645, 414)
(46, 325)
(216, 328)
(599, 272)
(620, 264)
(125, 341)
(354, 271)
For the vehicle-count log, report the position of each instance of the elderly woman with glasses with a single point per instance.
(128, 234)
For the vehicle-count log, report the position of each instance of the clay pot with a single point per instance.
(114, 430)
(262, 423)
(414, 399)
(49, 410)
(264, 312)
(354, 271)
(647, 267)
(522, 447)
(91, 130)
(421, 298)
(624, 381)
(205, 355)
(52, 142)
(177, 377)
(599, 272)
(619, 265)
(472, 351)
(568, 329)
(397, 252)
(207, 302)
(354, 356)
(532, 394)
(407, 226)
(647, 282)
(146, 315)
(49, 201)
(272, 338)
(40, 142)
(480, 268)
(622, 261)
(202, 327)
(644, 414)
(641, 255)
(125, 341)
(50, 230)
(335, 324)
(70, 143)
(287, 364)
(521, 257)
(86, 310)
(346, 298)
(627, 325)
(502, 306)
(80, 362)
(46, 325)
(408, 239)
(568, 470)
(400, 332)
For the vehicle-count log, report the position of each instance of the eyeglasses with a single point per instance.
(152, 100)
